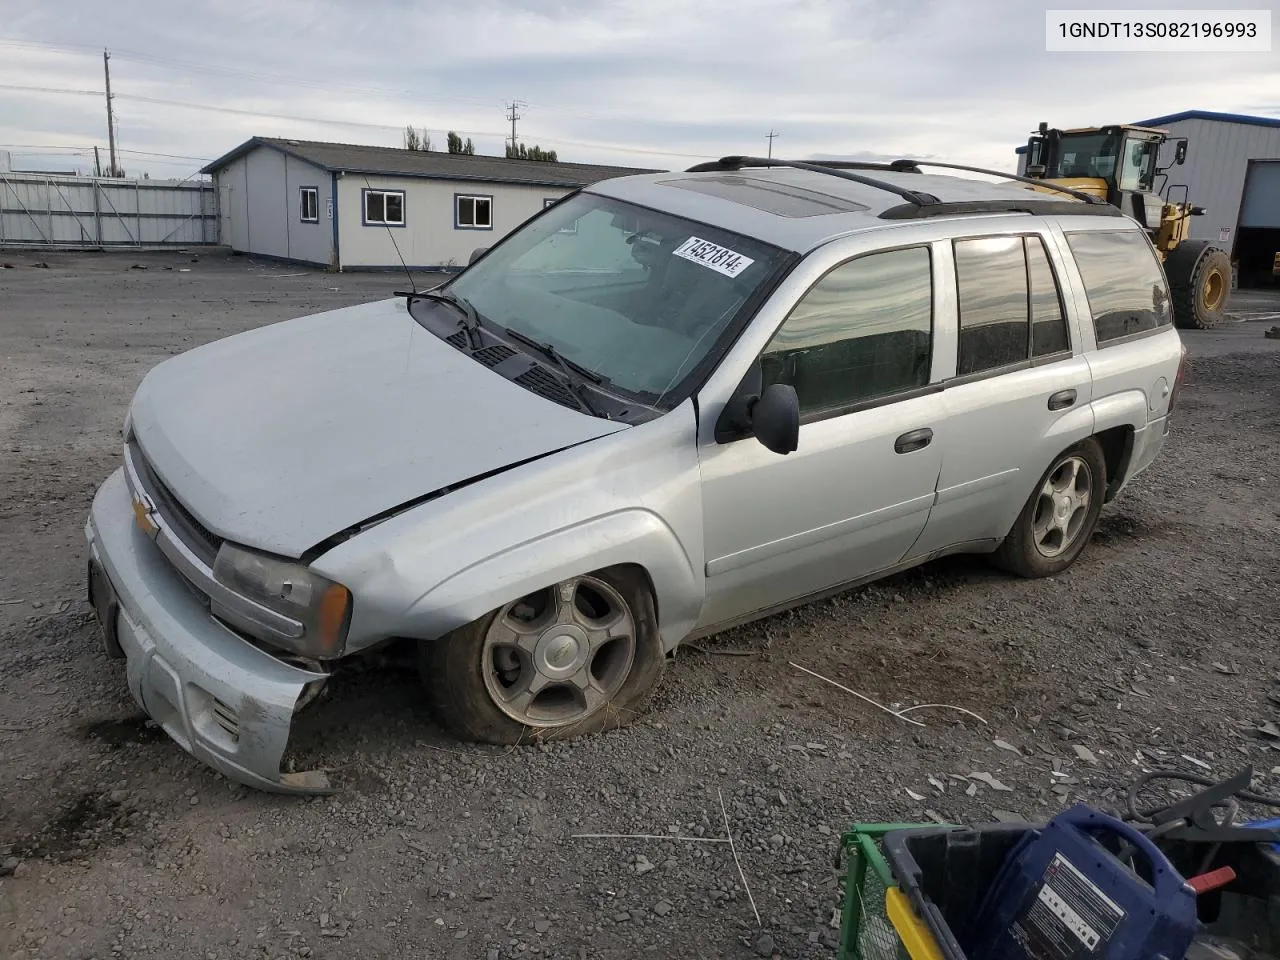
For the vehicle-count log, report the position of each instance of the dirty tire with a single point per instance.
(1019, 553)
(452, 669)
(1200, 280)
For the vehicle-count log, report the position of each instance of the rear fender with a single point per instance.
(1127, 408)
(629, 537)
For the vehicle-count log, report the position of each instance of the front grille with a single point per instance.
(544, 384)
(458, 339)
(198, 538)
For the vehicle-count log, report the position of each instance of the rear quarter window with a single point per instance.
(1124, 282)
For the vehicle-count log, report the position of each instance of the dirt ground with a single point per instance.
(1158, 649)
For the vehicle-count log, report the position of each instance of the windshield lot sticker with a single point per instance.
(720, 259)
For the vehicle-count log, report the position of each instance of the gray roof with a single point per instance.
(394, 161)
(802, 209)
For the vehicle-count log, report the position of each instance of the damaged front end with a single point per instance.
(223, 699)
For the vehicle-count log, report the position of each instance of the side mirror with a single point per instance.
(476, 254)
(775, 418)
(1180, 153)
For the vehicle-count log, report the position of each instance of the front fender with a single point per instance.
(632, 536)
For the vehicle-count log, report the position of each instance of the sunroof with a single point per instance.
(782, 199)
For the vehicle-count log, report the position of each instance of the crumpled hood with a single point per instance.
(280, 437)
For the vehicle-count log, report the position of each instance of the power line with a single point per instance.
(553, 141)
(254, 75)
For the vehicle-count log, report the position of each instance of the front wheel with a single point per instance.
(578, 657)
(1060, 516)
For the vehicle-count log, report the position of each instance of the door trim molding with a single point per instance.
(797, 541)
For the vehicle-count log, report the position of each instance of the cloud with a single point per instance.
(661, 83)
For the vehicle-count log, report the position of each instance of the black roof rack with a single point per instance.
(922, 205)
(738, 163)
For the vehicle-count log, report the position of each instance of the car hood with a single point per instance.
(280, 437)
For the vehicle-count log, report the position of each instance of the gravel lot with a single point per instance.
(1158, 646)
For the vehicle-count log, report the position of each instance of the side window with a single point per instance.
(309, 204)
(1048, 325)
(1123, 280)
(864, 331)
(991, 281)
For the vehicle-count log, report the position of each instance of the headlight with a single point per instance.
(292, 590)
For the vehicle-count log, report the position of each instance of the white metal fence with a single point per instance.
(77, 212)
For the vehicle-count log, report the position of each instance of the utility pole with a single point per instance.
(513, 116)
(97, 163)
(770, 138)
(111, 122)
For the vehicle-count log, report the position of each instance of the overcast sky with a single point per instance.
(662, 83)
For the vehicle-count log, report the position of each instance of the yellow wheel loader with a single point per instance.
(1118, 163)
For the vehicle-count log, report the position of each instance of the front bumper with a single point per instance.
(220, 698)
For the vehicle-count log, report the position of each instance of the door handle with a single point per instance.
(1062, 399)
(913, 440)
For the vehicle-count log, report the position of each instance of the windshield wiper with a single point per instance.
(566, 366)
(468, 319)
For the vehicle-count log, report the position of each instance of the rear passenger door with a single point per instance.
(1020, 390)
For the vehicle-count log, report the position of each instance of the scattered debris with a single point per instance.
(139, 266)
(990, 781)
(1269, 729)
(840, 686)
(662, 908)
(913, 795)
(1006, 745)
(941, 706)
(718, 651)
(40, 265)
(733, 847)
(5, 603)
(936, 817)
(1223, 668)
(971, 790)
(645, 836)
(6, 266)
(942, 787)
(1199, 763)
(1084, 753)
(1272, 334)
(1008, 816)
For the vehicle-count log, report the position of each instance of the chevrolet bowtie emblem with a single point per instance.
(142, 517)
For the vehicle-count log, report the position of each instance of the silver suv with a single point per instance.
(666, 404)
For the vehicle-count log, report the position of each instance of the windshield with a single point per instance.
(1088, 155)
(637, 297)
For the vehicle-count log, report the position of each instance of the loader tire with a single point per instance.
(1200, 280)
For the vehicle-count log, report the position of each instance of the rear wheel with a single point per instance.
(1060, 516)
(578, 657)
(1200, 279)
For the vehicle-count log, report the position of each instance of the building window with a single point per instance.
(472, 212)
(384, 208)
(309, 204)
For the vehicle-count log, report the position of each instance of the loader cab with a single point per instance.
(1116, 163)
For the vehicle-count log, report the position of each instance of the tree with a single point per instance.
(413, 140)
(535, 152)
(469, 148)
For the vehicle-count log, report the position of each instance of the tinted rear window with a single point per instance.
(1124, 281)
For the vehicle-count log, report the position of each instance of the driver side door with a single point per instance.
(856, 493)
